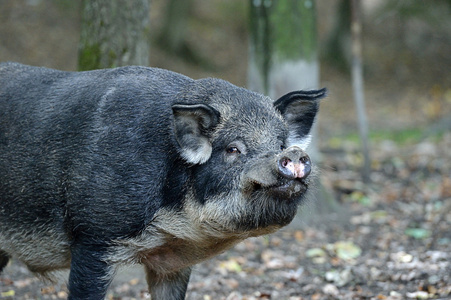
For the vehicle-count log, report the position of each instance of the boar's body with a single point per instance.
(141, 165)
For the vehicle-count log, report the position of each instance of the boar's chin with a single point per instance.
(270, 205)
(266, 208)
(236, 212)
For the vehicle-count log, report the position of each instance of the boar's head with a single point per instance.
(246, 155)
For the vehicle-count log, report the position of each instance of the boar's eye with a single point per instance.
(233, 150)
(282, 147)
(237, 147)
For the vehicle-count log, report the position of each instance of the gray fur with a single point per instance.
(141, 166)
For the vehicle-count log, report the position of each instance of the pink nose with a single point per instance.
(295, 165)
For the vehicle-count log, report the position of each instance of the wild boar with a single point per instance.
(139, 165)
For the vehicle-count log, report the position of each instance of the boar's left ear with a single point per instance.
(299, 109)
(192, 121)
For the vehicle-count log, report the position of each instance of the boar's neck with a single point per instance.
(174, 241)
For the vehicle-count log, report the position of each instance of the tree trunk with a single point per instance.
(114, 33)
(283, 49)
(175, 25)
(283, 57)
(260, 47)
(357, 85)
(338, 50)
(172, 38)
(295, 62)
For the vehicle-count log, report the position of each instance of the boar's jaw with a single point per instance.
(278, 190)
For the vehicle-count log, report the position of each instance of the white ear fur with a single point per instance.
(191, 121)
(198, 156)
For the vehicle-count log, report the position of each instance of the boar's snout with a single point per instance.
(294, 163)
(282, 176)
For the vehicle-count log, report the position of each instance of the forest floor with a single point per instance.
(386, 240)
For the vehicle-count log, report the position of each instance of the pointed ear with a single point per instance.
(299, 110)
(191, 123)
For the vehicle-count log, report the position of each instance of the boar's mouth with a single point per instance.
(280, 189)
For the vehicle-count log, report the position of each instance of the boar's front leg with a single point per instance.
(4, 258)
(90, 275)
(168, 286)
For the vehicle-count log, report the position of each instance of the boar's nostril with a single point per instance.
(287, 168)
(285, 162)
(305, 161)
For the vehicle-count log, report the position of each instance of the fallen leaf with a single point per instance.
(23, 283)
(317, 255)
(330, 289)
(418, 295)
(231, 283)
(230, 265)
(234, 296)
(276, 241)
(6, 281)
(347, 250)
(9, 293)
(294, 275)
(432, 289)
(275, 263)
(299, 236)
(48, 290)
(315, 252)
(262, 295)
(316, 296)
(358, 196)
(395, 296)
(418, 233)
(340, 278)
(402, 257)
(446, 188)
(378, 214)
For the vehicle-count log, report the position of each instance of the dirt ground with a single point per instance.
(386, 240)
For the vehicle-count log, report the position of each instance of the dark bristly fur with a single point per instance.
(142, 165)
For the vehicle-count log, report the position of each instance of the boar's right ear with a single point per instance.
(192, 122)
(299, 110)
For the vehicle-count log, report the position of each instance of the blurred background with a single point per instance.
(406, 59)
(406, 52)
